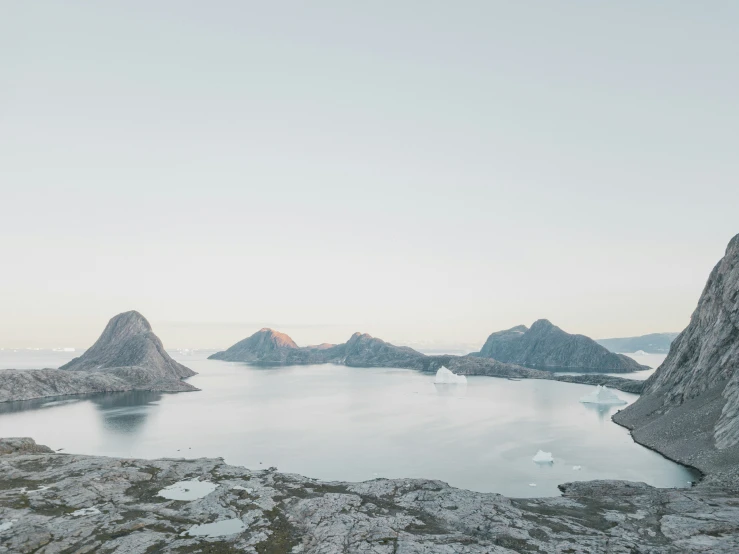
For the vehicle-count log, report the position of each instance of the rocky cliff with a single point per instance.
(547, 347)
(690, 407)
(127, 356)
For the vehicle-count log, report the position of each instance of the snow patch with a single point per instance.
(447, 377)
(7, 525)
(85, 512)
(602, 395)
(188, 490)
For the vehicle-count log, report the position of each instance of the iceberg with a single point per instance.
(543, 458)
(577, 468)
(446, 377)
(602, 395)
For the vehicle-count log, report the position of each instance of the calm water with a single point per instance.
(338, 423)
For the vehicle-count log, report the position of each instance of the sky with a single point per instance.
(427, 172)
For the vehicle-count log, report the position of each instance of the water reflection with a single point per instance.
(125, 412)
(603, 411)
(457, 390)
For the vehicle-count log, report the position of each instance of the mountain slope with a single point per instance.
(547, 347)
(690, 406)
(264, 346)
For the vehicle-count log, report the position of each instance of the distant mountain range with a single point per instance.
(654, 343)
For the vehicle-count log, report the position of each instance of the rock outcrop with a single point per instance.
(547, 347)
(653, 343)
(690, 407)
(70, 503)
(266, 346)
(127, 356)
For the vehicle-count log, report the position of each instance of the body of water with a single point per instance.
(338, 423)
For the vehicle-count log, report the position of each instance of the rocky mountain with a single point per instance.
(128, 341)
(653, 343)
(547, 347)
(127, 356)
(690, 407)
(265, 346)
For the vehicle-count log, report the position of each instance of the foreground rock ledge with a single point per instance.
(41, 490)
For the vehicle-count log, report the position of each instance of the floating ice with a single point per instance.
(217, 528)
(602, 395)
(532, 484)
(446, 377)
(640, 353)
(188, 490)
(576, 468)
(543, 457)
(7, 525)
(86, 512)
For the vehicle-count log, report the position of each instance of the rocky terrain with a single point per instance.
(547, 347)
(697, 386)
(653, 343)
(127, 356)
(51, 502)
(269, 347)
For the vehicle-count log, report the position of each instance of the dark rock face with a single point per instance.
(127, 356)
(128, 341)
(548, 347)
(653, 343)
(51, 502)
(690, 406)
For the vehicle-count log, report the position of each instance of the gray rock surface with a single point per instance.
(127, 356)
(547, 347)
(53, 503)
(690, 407)
(653, 343)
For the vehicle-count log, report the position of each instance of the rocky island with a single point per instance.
(653, 343)
(545, 346)
(127, 356)
(272, 348)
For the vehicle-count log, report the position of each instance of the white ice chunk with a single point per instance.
(217, 528)
(188, 490)
(532, 484)
(640, 353)
(543, 457)
(576, 468)
(602, 395)
(85, 512)
(446, 377)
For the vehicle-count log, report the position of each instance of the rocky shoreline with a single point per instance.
(51, 502)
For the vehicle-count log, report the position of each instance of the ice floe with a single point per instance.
(217, 528)
(446, 377)
(542, 457)
(602, 395)
(188, 490)
(576, 468)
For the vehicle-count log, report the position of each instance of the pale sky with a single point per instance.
(418, 170)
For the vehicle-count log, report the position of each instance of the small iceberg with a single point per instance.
(446, 377)
(640, 353)
(188, 490)
(217, 528)
(602, 395)
(542, 457)
(576, 468)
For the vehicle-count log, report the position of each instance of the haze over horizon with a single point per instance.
(416, 171)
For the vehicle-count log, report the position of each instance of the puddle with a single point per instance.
(217, 528)
(188, 490)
